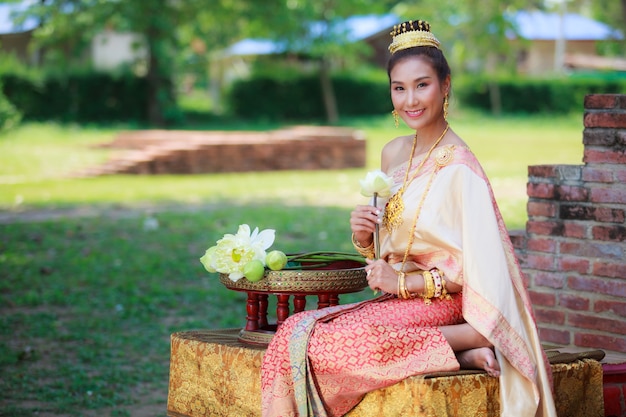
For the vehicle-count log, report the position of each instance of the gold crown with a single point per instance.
(411, 34)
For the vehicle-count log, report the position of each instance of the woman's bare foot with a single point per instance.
(479, 358)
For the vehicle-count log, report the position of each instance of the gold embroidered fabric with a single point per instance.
(212, 374)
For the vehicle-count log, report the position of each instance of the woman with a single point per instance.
(453, 291)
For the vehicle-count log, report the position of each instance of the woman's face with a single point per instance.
(416, 93)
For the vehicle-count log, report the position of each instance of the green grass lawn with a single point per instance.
(37, 160)
(87, 303)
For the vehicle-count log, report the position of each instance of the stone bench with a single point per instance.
(213, 374)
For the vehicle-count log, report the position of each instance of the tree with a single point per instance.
(313, 29)
(70, 25)
(613, 13)
(171, 26)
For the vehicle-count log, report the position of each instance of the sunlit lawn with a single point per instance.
(36, 161)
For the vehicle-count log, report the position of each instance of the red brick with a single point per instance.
(609, 215)
(608, 195)
(592, 156)
(597, 285)
(571, 263)
(549, 228)
(571, 247)
(549, 316)
(609, 233)
(542, 262)
(549, 279)
(616, 307)
(559, 337)
(574, 302)
(605, 120)
(574, 230)
(604, 138)
(592, 174)
(541, 209)
(590, 249)
(542, 171)
(601, 101)
(584, 212)
(540, 190)
(611, 270)
(578, 212)
(518, 239)
(571, 193)
(594, 322)
(539, 244)
(542, 298)
(597, 341)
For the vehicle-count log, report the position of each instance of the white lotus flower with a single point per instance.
(376, 182)
(233, 252)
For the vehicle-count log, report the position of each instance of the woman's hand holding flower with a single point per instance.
(375, 184)
(363, 221)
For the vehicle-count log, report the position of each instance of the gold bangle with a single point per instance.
(429, 287)
(402, 292)
(366, 252)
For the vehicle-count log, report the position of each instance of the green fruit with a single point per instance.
(276, 260)
(254, 270)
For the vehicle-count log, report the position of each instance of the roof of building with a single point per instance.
(353, 29)
(538, 25)
(8, 23)
(531, 25)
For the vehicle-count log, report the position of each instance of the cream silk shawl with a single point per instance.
(461, 232)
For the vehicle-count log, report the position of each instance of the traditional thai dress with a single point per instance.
(322, 362)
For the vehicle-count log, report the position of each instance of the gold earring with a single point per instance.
(445, 107)
(396, 118)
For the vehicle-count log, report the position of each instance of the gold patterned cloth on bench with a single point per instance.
(213, 374)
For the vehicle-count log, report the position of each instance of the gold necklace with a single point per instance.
(392, 218)
(443, 158)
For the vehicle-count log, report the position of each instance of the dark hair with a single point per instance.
(433, 55)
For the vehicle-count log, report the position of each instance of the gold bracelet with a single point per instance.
(367, 252)
(402, 291)
(429, 287)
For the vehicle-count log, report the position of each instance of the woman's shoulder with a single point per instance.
(395, 144)
(393, 152)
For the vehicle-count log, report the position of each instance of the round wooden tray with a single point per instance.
(338, 277)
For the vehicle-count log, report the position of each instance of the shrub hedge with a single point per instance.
(99, 97)
(84, 97)
(301, 98)
(523, 95)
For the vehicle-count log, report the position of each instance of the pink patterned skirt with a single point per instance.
(323, 362)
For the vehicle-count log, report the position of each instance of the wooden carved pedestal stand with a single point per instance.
(326, 284)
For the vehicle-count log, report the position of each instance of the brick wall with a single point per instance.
(573, 252)
(191, 152)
